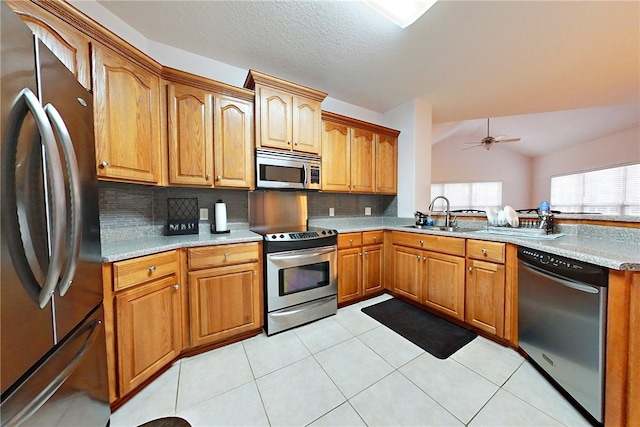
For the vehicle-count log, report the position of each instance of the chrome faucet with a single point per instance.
(447, 219)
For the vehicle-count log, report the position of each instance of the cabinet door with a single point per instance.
(307, 123)
(336, 155)
(148, 330)
(233, 143)
(386, 164)
(444, 289)
(372, 269)
(224, 302)
(485, 289)
(407, 264)
(190, 135)
(127, 119)
(363, 159)
(349, 274)
(69, 45)
(275, 119)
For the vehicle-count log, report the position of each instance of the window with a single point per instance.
(468, 195)
(612, 191)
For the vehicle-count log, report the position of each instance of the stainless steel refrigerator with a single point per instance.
(53, 361)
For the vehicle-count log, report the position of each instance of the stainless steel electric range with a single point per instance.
(300, 263)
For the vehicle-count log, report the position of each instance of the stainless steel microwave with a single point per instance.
(283, 170)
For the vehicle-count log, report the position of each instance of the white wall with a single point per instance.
(612, 150)
(413, 118)
(453, 164)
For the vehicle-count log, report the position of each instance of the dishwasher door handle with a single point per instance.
(561, 280)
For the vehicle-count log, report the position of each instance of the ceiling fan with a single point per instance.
(488, 141)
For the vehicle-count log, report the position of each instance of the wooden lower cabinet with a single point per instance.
(225, 292)
(148, 330)
(360, 265)
(444, 287)
(408, 272)
(485, 295)
(224, 302)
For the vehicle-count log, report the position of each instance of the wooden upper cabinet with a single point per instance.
(190, 135)
(127, 118)
(306, 127)
(233, 143)
(386, 164)
(288, 115)
(363, 161)
(67, 43)
(336, 152)
(358, 157)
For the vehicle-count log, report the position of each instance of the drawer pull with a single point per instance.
(176, 286)
(484, 251)
(421, 242)
(418, 257)
(374, 238)
(470, 269)
(104, 165)
(424, 258)
(226, 255)
(152, 268)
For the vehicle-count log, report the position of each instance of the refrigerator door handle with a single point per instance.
(31, 389)
(24, 103)
(74, 232)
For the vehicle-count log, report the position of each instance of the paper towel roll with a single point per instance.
(221, 216)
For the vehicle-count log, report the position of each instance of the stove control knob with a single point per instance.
(324, 232)
(282, 236)
(274, 237)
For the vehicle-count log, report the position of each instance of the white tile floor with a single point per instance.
(349, 370)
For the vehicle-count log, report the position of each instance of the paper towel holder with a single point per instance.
(217, 217)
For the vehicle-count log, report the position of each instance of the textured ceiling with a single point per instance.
(468, 59)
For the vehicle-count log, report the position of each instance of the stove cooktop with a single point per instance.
(283, 235)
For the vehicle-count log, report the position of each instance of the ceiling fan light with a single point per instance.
(402, 13)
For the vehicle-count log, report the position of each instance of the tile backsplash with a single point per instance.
(144, 208)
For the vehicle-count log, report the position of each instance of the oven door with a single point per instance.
(299, 276)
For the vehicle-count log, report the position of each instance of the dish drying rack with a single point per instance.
(541, 226)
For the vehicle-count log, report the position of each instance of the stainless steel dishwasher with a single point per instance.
(562, 306)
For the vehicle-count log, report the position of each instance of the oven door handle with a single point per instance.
(302, 255)
(560, 280)
(288, 312)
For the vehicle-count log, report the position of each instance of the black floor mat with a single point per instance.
(434, 334)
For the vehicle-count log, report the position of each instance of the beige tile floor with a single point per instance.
(349, 370)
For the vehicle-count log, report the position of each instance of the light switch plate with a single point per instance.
(367, 211)
(332, 212)
(204, 214)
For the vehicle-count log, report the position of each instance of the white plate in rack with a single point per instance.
(512, 216)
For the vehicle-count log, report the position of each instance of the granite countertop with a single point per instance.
(611, 247)
(147, 245)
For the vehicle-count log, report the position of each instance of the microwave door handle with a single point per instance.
(305, 174)
(24, 103)
(74, 232)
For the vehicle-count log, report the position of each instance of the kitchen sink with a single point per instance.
(439, 228)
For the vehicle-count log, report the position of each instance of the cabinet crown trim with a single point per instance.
(351, 122)
(256, 77)
(183, 77)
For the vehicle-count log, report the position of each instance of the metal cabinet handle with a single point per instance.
(296, 143)
(424, 258)
(366, 253)
(288, 142)
(469, 268)
(218, 178)
(360, 253)
(484, 251)
(152, 268)
(418, 257)
(350, 240)
(375, 237)
(104, 164)
(208, 176)
(176, 286)
(226, 256)
(421, 242)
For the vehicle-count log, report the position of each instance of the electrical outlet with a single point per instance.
(204, 214)
(332, 212)
(367, 211)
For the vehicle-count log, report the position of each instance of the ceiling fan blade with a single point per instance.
(500, 137)
(510, 140)
(472, 142)
(468, 148)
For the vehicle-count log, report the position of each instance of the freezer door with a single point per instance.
(69, 107)
(26, 329)
(70, 387)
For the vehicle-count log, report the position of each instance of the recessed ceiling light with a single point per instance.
(401, 12)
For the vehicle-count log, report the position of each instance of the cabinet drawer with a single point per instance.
(442, 244)
(349, 240)
(372, 237)
(220, 255)
(139, 270)
(486, 251)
